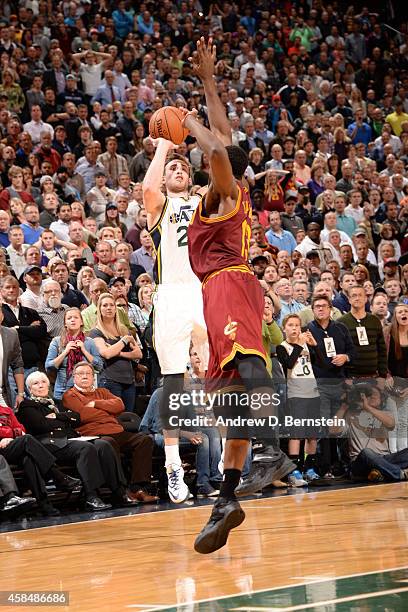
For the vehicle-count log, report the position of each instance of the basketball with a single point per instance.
(166, 123)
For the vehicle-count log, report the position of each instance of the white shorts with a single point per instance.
(178, 320)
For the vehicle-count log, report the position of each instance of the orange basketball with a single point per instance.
(166, 123)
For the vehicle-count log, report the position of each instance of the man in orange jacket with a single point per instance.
(99, 409)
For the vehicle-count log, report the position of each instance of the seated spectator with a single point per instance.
(11, 503)
(95, 460)
(37, 462)
(98, 409)
(368, 423)
(118, 349)
(70, 348)
(208, 446)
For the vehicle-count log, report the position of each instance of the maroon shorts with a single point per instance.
(233, 311)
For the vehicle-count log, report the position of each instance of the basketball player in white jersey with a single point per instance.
(178, 316)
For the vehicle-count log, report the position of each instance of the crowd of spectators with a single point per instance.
(317, 95)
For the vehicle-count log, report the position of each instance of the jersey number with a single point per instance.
(182, 241)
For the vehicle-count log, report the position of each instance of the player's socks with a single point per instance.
(172, 454)
(230, 483)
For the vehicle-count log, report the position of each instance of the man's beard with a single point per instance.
(54, 302)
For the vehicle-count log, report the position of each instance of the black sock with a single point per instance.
(230, 483)
(310, 462)
(56, 475)
(296, 459)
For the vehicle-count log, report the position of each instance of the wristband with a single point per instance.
(125, 342)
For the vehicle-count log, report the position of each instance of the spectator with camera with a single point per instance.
(368, 424)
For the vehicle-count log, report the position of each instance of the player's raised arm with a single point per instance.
(222, 178)
(153, 197)
(203, 62)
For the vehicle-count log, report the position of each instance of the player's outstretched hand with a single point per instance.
(203, 59)
(193, 113)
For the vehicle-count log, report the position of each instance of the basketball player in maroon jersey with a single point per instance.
(269, 462)
(218, 239)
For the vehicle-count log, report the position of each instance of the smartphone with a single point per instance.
(80, 262)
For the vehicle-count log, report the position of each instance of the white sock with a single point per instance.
(172, 454)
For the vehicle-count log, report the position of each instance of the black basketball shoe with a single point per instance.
(226, 515)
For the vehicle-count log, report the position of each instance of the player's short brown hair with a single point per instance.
(177, 157)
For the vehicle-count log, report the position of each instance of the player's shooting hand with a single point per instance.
(203, 59)
(163, 143)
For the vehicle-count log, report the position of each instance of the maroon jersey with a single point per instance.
(220, 243)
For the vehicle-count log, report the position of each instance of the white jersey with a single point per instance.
(169, 237)
(301, 381)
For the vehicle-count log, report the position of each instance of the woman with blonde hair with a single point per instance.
(85, 276)
(274, 193)
(341, 143)
(17, 211)
(118, 349)
(361, 274)
(78, 212)
(145, 299)
(356, 100)
(13, 91)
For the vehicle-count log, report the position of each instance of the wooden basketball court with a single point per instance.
(289, 554)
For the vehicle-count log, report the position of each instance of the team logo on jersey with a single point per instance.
(231, 329)
(185, 214)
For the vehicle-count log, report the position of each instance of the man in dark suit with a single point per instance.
(10, 357)
(55, 76)
(29, 325)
